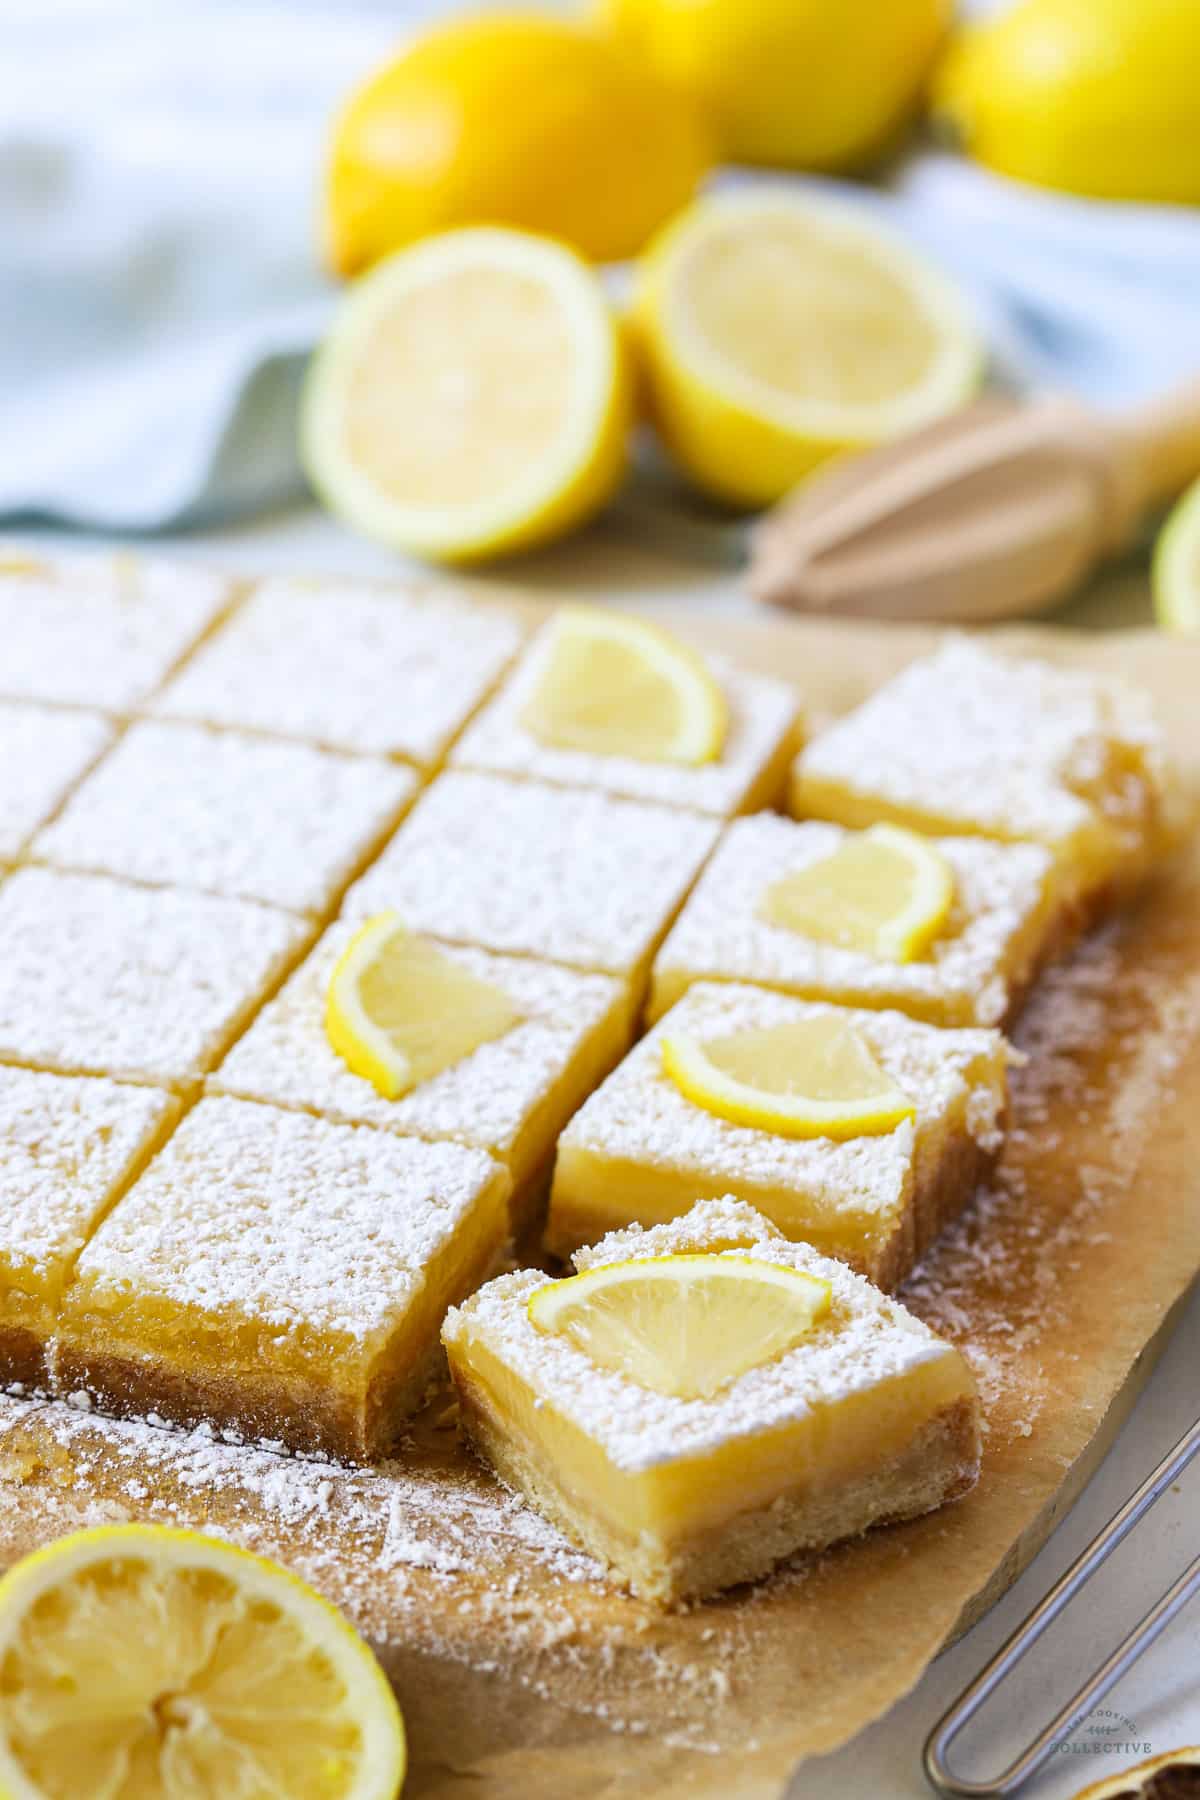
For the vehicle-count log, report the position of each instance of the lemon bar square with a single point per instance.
(101, 978)
(69, 1146)
(511, 1096)
(750, 772)
(101, 631)
(967, 742)
(281, 1275)
(566, 875)
(245, 817)
(43, 753)
(639, 1152)
(1003, 924)
(389, 672)
(869, 1418)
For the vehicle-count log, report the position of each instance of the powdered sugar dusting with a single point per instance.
(566, 874)
(392, 671)
(42, 755)
(228, 814)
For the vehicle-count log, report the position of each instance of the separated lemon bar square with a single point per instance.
(542, 723)
(510, 1095)
(101, 978)
(43, 753)
(389, 672)
(100, 631)
(567, 875)
(643, 1149)
(245, 817)
(968, 742)
(748, 920)
(281, 1275)
(69, 1146)
(694, 1421)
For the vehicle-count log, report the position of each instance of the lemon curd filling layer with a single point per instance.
(867, 1416)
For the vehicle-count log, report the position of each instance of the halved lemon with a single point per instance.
(619, 686)
(778, 331)
(473, 397)
(809, 1078)
(885, 891)
(139, 1660)
(399, 1010)
(1174, 1773)
(1176, 569)
(683, 1325)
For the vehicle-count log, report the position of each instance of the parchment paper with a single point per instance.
(521, 1674)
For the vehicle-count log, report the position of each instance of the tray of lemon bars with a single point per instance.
(646, 1164)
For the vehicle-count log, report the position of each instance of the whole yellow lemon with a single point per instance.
(517, 119)
(807, 84)
(1099, 97)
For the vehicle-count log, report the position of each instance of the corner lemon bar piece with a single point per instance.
(69, 1147)
(281, 1275)
(100, 631)
(508, 1086)
(860, 1132)
(706, 1399)
(606, 700)
(967, 742)
(382, 671)
(565, 875)
(806, 908)
(225, 813)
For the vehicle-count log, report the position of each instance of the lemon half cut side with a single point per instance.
(614, 685)
(141, 1660)
(808, 1078)
(778, 331)
(683, 1325)
(473, 397)
(1176, 568)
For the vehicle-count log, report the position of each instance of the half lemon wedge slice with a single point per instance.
(683, 1325)
(399, 1010)
(809, 1078)
(619, 686)
(884, 891)
(1175, 575)
(162, 1663)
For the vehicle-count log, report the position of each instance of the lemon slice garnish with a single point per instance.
(778, 331)
(161, 1662)
(618, 686)
(473, 397)
(885, 891)
(1176, 571)
(813, 1077)
(399, 1010)
(683, 1325)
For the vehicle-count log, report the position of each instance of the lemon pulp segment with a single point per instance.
(887, 892)
(163, 1665)
(812, 1077)
(399, 1010)
(618, 686)
(683, 1325)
